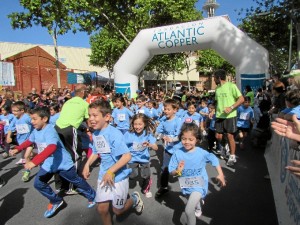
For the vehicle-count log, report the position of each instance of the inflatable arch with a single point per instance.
(249, 58)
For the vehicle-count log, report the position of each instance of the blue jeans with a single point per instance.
(43, 176)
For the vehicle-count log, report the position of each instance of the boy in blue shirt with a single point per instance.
(168, 129)
(53, 158)
(113, 184)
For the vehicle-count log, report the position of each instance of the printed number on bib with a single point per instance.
(101, 145)
(244, 116)
(22, 128)
(190, 182)
(41, 147)
(138, 146)
(121, 117)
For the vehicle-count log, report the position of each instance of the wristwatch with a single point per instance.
(232, 107)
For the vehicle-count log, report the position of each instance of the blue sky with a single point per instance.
(39, 35)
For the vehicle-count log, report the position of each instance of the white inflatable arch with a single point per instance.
(249, 58)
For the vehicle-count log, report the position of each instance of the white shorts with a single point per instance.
(117, 194)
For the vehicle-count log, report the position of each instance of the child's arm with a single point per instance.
(179, 169)
(153, 146)
(220, 176)
(108, 178)
(86, 169)
(21, 147)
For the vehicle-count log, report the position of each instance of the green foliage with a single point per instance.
(269, 24)
(209, 61)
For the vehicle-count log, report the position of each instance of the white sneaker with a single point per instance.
(148, 194)
(139, 204)
(20, 162)
(231, 161)
(223, 153)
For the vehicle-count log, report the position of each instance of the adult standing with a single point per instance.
(73, 113)
(228, 98)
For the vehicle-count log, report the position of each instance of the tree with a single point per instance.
(55, 15)
(128, 18)
(269, 25)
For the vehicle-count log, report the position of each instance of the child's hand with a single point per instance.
(221, 180)
(108, 180)
(180, 166)
(13, 152)
(146, 144)
(167, 139)
(86, 172)
(29, 165)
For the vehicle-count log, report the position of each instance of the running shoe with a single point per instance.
(26, 175)
(52, 209)
(72, 192)
(231, 161)
(91, 204)
(5, 155)
(21, 162)
(138, 202)
(198, 213)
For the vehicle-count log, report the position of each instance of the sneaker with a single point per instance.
(72, 192)
(216, 151)
(161, 191)
(20, 162)
(2, 182)
(146, 185)
(148, 194)
(231, 161)
(91, 204)
(5, 155)
(139, 204)
(223, 153)
(26, 175)
(52, 209)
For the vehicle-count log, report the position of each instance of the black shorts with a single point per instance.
(226, 125)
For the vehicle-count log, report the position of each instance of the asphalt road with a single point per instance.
(247, 198)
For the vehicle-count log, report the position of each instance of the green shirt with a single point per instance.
(73, 112)
(226, 96)
(251, 95)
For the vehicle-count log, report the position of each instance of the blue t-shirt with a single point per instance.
(23, 127)
(143, 110)
(110, 144)
(213, 123)
(203, 110)
(8, 120)
(139, 153)
(53, 119)
(194, 168)
(153, 113)
(195, 117)
(180, 113)
(121, 117)
(170, 128)
(292, 111)
(61, 158)
(244, 116)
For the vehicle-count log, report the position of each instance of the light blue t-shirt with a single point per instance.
(139, 153)
(121, 117)
(61, 158)
(244, 116)
(23, 127)
(8, 120)
(194, 117)
(143, 110)
(53, 119)
(180, 113)
(203, 110)
(170, 128)
(110, 144)
(292, 111)
(194, 168)
(153, 113)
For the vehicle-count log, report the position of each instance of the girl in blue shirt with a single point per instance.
(121, 115)
(139, 139)
(5, 119)
(54, 113)
(189, 164)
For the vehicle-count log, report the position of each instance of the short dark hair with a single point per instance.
(20, 105)
(193, 127)
(172, 102)
(220, 74)
(103, 107)
(42, 112)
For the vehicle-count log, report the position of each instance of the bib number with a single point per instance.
(244, 116)
(22, 128)
(121, 117)
(190, 182)
(101, 145)
(137, 147)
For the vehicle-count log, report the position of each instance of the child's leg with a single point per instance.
(28, 153)
(145, 174)
(41, 184)
(135, 172)
(190, 207)
(27, 156)
(164, 179)
(103, 210)
(82, 186)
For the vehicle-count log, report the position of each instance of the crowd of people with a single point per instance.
(56, 129)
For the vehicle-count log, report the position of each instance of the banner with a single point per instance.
(285, 185)
(7, 77)
(81, 78)
(255, 81)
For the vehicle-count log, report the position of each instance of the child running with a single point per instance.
(5, 119)
(189, 164)
(53, 158)
(139, 139)
(113, 184)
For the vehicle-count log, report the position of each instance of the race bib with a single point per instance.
(121, 117)
(101, 145)
(41, 147)
(244, 116)
(138, 146)
(22, 128)
(190, 182)
(6, 122)
(141, 111)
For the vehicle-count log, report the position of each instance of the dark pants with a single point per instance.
(42, 178)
